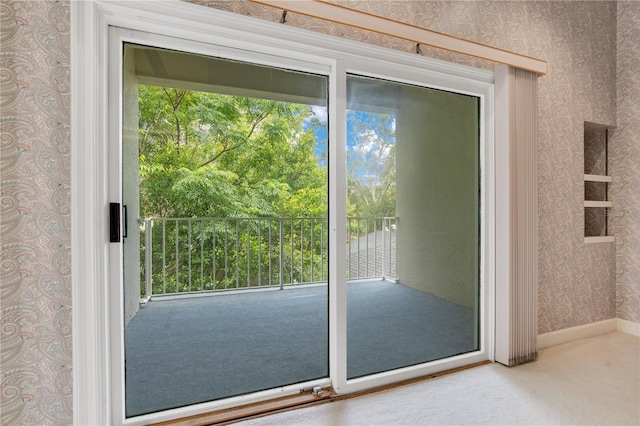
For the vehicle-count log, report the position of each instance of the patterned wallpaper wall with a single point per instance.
(576, 281)
(624, 160)
(35, 207)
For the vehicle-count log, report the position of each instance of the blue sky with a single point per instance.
(361, 144)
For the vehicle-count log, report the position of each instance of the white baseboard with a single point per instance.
(570, 334)
(629, 327)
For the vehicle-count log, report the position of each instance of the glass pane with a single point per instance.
(414, 225)
(225, 269)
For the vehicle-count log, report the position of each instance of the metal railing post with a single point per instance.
(177, 258)
(148, 276)
(189, 253)
(384, 249)
(237, 248)
(164, 256)
(281, 256)
(312, 248)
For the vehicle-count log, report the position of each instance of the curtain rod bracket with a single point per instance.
(418, 50)
(283, 20)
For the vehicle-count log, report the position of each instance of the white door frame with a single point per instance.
(97, 380)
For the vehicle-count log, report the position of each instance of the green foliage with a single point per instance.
(211, 155)
(205, 155)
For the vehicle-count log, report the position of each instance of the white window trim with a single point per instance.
(92, 335)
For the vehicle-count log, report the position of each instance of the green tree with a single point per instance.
(204, 154)
(211, 155)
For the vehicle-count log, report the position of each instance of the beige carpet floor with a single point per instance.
(593, 381)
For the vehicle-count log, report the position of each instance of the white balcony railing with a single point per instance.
(189, 255)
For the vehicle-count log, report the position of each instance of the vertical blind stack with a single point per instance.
(517, 292)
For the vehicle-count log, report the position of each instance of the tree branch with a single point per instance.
(261, 117)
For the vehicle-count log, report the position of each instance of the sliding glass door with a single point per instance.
(289, 222)
(414, 243)
(225, 255)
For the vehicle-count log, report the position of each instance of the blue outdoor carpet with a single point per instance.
(191, 350)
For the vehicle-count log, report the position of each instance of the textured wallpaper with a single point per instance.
(35, 274)
(624, 155)
(578, 39)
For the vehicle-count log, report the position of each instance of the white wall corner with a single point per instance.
(570, 334)
(629, 327)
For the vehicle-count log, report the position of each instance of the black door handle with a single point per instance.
(126, 227)
(114, 222)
